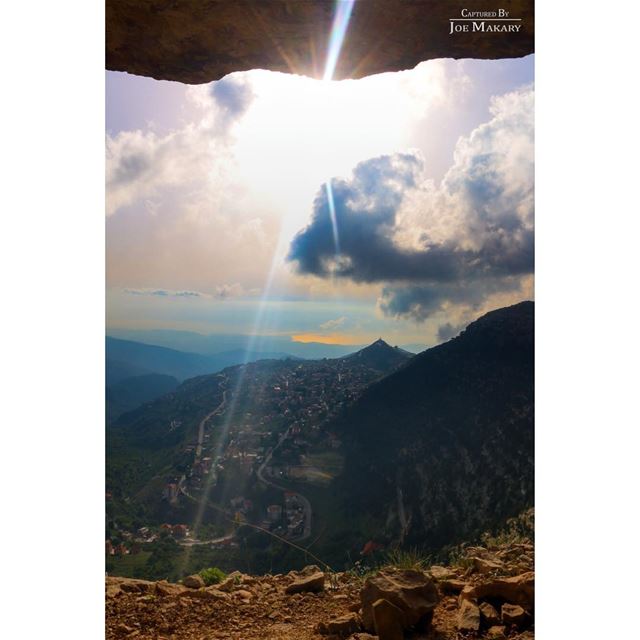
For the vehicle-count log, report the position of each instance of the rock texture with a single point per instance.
(413, 592)
(468, 616)
(395, 600)
(196, 41)
(312, 583)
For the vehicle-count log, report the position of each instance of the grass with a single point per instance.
(411, 558)
(127, 565)
(212, 575)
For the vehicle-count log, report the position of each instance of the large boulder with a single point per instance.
(412, 592)
(312, 583)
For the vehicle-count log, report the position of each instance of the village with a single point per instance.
(267, 437)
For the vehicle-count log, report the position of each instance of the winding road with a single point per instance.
(204, 421)
(306, 505)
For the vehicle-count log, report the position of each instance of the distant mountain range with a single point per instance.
(126, 358)
(213, 344)
(138, 373)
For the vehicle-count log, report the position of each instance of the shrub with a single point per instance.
(212, 575)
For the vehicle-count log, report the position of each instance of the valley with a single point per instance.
(245, 449)
(267, 465)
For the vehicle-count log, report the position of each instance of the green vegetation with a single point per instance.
(451, 433)
(516, 530)
(212, 575)
(411, 558)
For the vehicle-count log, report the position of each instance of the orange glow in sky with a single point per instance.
(327, 339)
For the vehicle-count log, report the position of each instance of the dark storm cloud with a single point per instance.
(434, 246)
(419, 302)
(366, 210)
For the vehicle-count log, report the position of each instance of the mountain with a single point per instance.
(215, 344)
(116, 371)
(129, 393)
(126, 358)
(380, 356)
(433, 453)
(444, 448)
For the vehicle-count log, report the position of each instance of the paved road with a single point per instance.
(194, 543)
(306, 505)
(204, 421)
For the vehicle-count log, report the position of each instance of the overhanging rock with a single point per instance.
(196, 41)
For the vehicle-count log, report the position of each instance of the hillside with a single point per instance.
(380, 356)
(137, 358)
(434, 453)
(443, 448)
(129, 393)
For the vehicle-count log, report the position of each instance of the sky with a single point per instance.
(396, 206)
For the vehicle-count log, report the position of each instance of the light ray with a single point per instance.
(341, 19)
(334, 220)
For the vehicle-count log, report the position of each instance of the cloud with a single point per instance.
(235, 290)
(219, 292)
(366, 206)
(141, 165)
(165, 293)
(447, 331)
(144, 164)
(330, 325)
(232, 96)
(458, 242)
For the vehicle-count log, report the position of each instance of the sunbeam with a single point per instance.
(338, 31)
(334, 220)
(341, 18)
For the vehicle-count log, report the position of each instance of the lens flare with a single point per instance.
(338, 31)
(332, 215)
(341, 19)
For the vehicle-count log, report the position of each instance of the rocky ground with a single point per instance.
(488, 593)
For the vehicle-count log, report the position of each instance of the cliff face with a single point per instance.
(196, 41)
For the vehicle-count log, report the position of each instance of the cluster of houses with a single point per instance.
(131, 543)
(285, 520)
(297, 396)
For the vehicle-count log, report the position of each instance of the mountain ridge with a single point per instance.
(443, 447)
